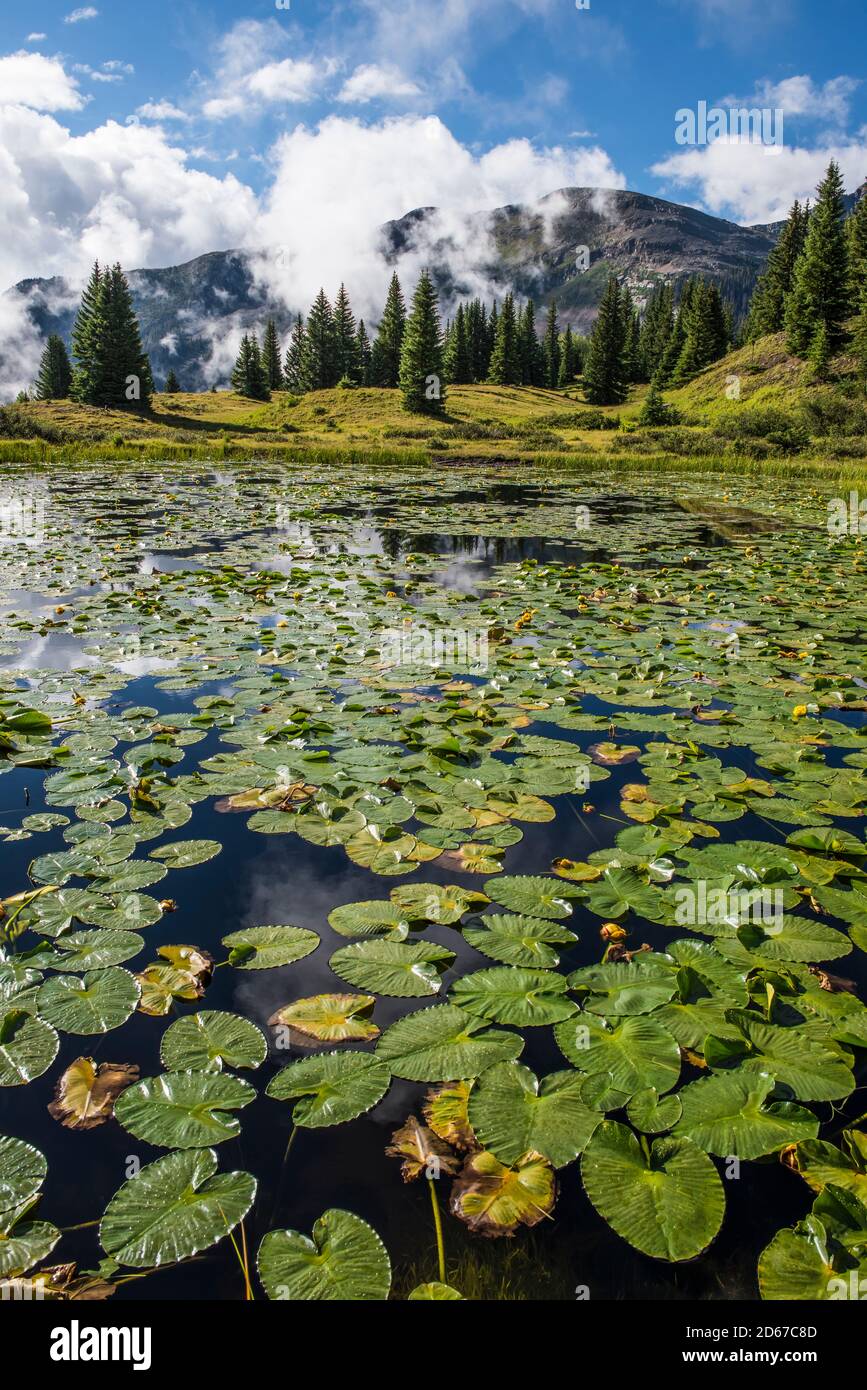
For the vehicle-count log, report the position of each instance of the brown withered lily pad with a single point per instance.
(494, 1200)
(85, 1094)
(445, 1109)
(423, 1154)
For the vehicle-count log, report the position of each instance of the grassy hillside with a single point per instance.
(781, 421)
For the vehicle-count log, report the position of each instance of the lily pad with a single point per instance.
(444, 1043)
(264, 948)
(209, 1040)
(513, 1114)
(184, 1109)
(331, 1087)
(404, 971)
(345, 1261)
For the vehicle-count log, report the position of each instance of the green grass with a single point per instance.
(783, 424)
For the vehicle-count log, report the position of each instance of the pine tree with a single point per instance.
(604, 372)
(271, 357)
(631, 333)
(385, 366)
(490, 337)
(552, 347)
(249, 377)
(322, 360)
(655, 410)
(656, 330)
(55, 372)
(568, 362)
(706, 334)
(456, 352)
(363, 353)
(530, 349)
(89, 327)
(768, 305)
(859, 338)
(112, 367)
(505, 368)
(346, 360)
(172, 384)
(421, 358)
(856, 237)
(677, 338)
(820, 354)
(295, 366)
(821, 289)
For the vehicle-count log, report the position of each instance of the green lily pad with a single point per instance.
(444, 1043)
(729, 1114)
(185, 854)
(345, 1262)
(393, 968)
(513, 1114)
(331, 1087)
(511, 994)
(210, 1040)
(517, 940)
(183, 1109)
(96, 1002)
(22, 1172)
(532, 897)
(264, 948)
(28, 1046)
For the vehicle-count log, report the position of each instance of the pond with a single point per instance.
(403, 787)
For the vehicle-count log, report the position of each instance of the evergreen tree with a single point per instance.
(856, 237)
(656, 330)
(55, 372)
(821, 289)
(568, 358)
(456, 353)
(249, 377)
(363, 354)
(271, 357)
(88, 329)
(477, 340)
(172, 384)
(322, 370)
(552, 347)
(530, 349)
(768, 305)
(385, 365)
(655, 410)
(677, 337)
(705, 331)
(820, 354)
(422, 370)
(295, 366)
(112, 368)
(346, 339)
(505, 368)
(604, 371)
(631, 334)
(859, 338)
(490, 338)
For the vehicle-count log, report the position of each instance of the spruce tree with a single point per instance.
(552, 347)
(656, 330)
(112, 368)
(172, 384)
(456, 353)
(532, 356)
(821, 292)
(706, 334)
(505, 368)
(859, 338)
(363, 354)
(477, 333)
(271, 357)
(604, 370)
(249, 377)
(389, 340)
(88, 329)
(856, 236)
(655, 410)
(631, 334)
(346, 360)
(55, 372)
(768, 305)
(295, 367)
(490, 338)
(568, 363)
(322, 357)
(421, 358)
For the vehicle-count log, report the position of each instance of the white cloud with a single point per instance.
(76, 16)
(36, 38)
(741, 181)
(801, 96)
(248, 77)
(30, 79)
(370, 82)
(161, 111)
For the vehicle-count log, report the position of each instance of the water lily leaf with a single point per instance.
(95, 950)
(86, 1092)
(344, 1262)
(827, 841)
(798, 1264)
(28, 1046)
(495, 1199)
(446, 1111)
(130, 877)
(370, 919)
(810, 1069)
(263, 948)
(652, 1113)
(576, 872)
(729, 1114)
(23, 1243)
(665, 1199)
(183, 1109)
(511, 994)
(444, 1043)
(22, 1172)
(393, 968)
(623, 890)
(174, 1208)
(821, 1163)
(128, 912)
(624, 988)
(328, 1018)
(184, 854)
(631, 1053)
(517, 940)
(160, 984)
(331, 1087)
(793, 938)
(210, 1039)
(429, 902)
(423, 1153)
(434, 1293)
(613, 754)
(56, 912)
(513, 1114)
(532, 897)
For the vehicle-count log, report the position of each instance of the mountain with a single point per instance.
(186, 311)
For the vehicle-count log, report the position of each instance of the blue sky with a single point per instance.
(161, 130)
